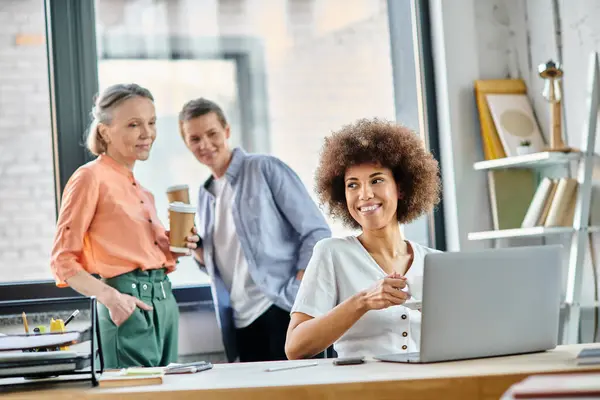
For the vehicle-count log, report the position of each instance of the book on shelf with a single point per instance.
(553, 203)
(511, 191)
(538, 204)
(566, 189)
(569, 215)
(492, 146)
(547, 204)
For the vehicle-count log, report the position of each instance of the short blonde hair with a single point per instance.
(104, 105)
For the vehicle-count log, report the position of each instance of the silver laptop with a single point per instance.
(488, 303)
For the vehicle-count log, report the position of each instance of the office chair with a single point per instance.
(327, 353)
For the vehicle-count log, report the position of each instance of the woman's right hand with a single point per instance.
(121, 306)
(386, 293)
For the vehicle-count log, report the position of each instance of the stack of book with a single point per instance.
(589, 356)
(553, 203)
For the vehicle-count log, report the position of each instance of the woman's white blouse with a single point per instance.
(340, 268)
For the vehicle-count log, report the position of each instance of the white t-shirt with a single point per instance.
(340, 268)
(247, 300)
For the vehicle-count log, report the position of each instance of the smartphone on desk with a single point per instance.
(348, 361)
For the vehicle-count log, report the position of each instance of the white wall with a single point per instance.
(456, 64)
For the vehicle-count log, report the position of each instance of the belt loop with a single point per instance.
(163, 290)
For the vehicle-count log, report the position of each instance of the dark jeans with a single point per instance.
(264, 339)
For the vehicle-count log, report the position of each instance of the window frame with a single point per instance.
(409, 31)
(73, 80)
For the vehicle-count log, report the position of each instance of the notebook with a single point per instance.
(589, 356)
(558, 386)
(115, 378)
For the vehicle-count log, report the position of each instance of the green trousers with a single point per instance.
(146, 338)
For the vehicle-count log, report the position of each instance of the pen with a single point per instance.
(25, 324)
(290, 367)
(75, 313)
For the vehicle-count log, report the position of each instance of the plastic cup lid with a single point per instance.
(175, 188)
(178, 206)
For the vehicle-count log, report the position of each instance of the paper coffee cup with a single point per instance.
(181, 220)
(179, 193)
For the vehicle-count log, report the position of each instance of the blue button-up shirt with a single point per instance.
(277, 223)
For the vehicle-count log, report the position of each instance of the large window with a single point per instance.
(27, 194)
(286, 72)
(322, 68)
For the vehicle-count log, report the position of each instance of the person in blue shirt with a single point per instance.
(258, 227)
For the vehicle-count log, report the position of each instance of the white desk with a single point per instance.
(471, 379)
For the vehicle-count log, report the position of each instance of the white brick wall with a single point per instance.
(27, 210)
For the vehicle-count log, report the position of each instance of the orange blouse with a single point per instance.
(107, 225)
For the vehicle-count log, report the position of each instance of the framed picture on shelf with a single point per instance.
(492, 146)
(515, 122)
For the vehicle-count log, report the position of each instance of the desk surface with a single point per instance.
(481, 378)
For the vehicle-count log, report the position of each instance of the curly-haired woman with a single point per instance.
(373, 175)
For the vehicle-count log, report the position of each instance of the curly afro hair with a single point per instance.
(386, 144)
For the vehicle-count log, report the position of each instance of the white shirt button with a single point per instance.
(133, 286)
(144, 286)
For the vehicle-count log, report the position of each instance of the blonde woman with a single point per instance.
(108, 226)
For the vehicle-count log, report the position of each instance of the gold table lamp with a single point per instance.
(552, 73)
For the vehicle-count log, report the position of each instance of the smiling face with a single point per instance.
(371, 196)
(131, 132)
(206, 137)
